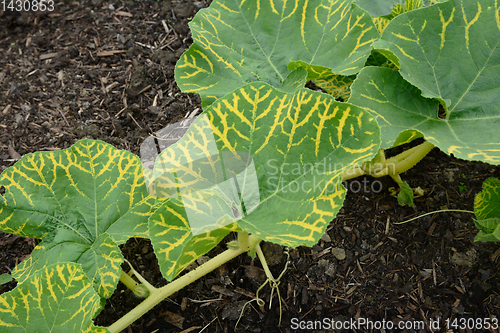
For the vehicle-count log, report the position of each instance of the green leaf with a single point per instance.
(487, 210)
(57, 298)
(382, 20)
(378, 7)
(239, 42)
(82, 201)
(451, 51)
(100, 260)
(295, 80)
(339, 86)
(405, 195)
(487, 202)
(5, 277)
(261, 161)
(403, 114)
(489, 230)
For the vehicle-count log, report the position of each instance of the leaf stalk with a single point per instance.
(394, 165)
(161, 293)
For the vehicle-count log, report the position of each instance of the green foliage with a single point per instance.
(450, 52)
(378, 8)
(267, 150)
(57, 298)
(405, 195)
(238, 42)
(5, 277)
(267, 156)
(82, 202)
(487, 210)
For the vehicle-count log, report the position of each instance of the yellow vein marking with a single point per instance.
(497, 15)
(445, 24)
(468, 24)
(342, 123)
(404, 53)
(257, 10)
(362, 150)
(227, 8)
(272, 7)
(319, 128)
(204, 56)
(293, 10)
(303, 22)
(403, 37)
(284, 103)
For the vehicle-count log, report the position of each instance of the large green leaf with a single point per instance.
(487, 210)
(339, 86)
(57, 298)
(83, 202)
(403, 115)
(382, 21)
(238, 42)
(261, 160)
(450, 51)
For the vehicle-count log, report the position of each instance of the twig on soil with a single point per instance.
(145, 45)
(120, 112)
(62, 114)
(165, 26)
(135, 121)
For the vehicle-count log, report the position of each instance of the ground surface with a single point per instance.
(104, 70)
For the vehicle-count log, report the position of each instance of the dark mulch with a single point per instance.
(104, 70)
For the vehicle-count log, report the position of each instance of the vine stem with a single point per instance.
(161, 293)
(273, 283)
(263, 261)
(139, 290)
(395, 165)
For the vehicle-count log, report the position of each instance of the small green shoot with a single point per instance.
(5, 277)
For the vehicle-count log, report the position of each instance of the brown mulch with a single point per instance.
(104, 70)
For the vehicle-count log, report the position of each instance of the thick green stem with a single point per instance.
(128, 281)
(243, 239)
(353, 173)
(161, 293)
(397, 179)
(407, 163)
(395, 165)
(400, 157)
(140, 290)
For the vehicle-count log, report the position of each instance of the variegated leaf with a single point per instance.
(82, 201)
(487, 210)
(260, 160)
(450, 51)
(238, 42)
(57, 298)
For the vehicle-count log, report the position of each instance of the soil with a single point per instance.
(104, 70)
